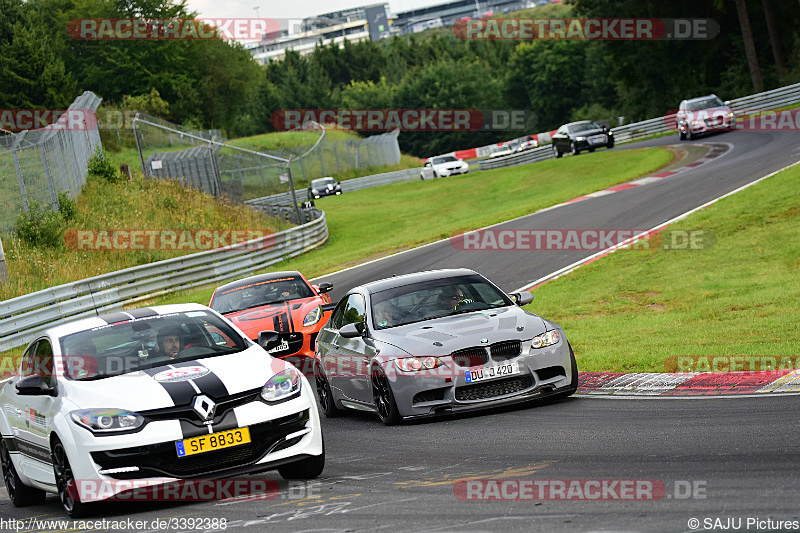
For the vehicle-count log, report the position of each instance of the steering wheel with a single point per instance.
(465, 301)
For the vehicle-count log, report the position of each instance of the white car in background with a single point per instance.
(507, 148)
(443, 165)
(152, 395)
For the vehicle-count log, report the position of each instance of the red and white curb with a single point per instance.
(691, 384)
(715, 151)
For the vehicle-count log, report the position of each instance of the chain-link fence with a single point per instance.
(35, 165)
(205, 162)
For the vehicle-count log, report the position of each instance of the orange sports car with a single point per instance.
(284, 302)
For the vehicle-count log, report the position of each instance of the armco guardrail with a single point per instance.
(24, 317)
(775, 99)
(355, 184)
(520, 158)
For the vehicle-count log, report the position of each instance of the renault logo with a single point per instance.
(205, 407)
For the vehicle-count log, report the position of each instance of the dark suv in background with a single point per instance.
(583, 135)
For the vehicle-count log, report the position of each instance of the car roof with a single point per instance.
(416, 277)
(578, 122)
(706, 97)
(105, 319)
(256, 279)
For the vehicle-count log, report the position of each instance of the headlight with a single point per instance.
(580, 138)
(610, 133)
(694, 122)
(315, 191)
(415, 364)
(730, 114)
(107, 420)
(545, 339)
(282, 386)
(313, 316)
(464, 165)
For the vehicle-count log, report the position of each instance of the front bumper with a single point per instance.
(445, 390)
(280, 434)
(452, 171)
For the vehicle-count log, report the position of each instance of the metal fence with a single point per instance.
(775, 99)
(24, 317)
(36, 165)
(355, 184)
(242, 174)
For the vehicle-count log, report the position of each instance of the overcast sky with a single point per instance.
(293, 8)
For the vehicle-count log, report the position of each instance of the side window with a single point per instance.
(27, 366)
(338, 314)
(348, 311)
(354, 310)
(44, 361)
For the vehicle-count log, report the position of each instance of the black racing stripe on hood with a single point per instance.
(181, 392)
(228, 422)
(211, 385)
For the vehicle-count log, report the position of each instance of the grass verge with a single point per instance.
(375, 222)
(637, 309)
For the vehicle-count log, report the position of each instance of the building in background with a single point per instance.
(372, 22)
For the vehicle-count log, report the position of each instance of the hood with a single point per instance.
(283, 317)
(462, 331)
(146, 389)
(589, 133)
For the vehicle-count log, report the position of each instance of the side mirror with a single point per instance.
(352, 330)
(325, 287)
(34, 386)
(269, 340)
(522, 298)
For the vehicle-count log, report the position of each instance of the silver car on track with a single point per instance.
(438, 342)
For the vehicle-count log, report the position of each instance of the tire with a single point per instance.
(308, 468)
(573, 386)
(591, 150)
(326, 402)
(65, 481)
(556, 153)
(384, 399)
(20, 494)
(610, 145)
(689, 135)
(681, 135)
(574, 149)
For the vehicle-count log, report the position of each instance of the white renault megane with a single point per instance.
(160, 394)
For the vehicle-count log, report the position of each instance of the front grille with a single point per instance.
(597, 139)
(503, 351)
(433, 395)
(187, 413)
(479, 355)
(550, 372)
(493, 389)
(161, 460)
(467, 357)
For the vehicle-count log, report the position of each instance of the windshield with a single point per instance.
(143, 343)
(263, 292)
(434, 299)
(583, 126)
(323, 182)
(705, 103)
(444, 159)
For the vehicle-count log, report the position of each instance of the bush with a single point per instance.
(100, 167)
(41, 226)
(67, 206)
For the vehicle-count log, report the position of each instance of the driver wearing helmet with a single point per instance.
(452, 297)
(170, 341)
